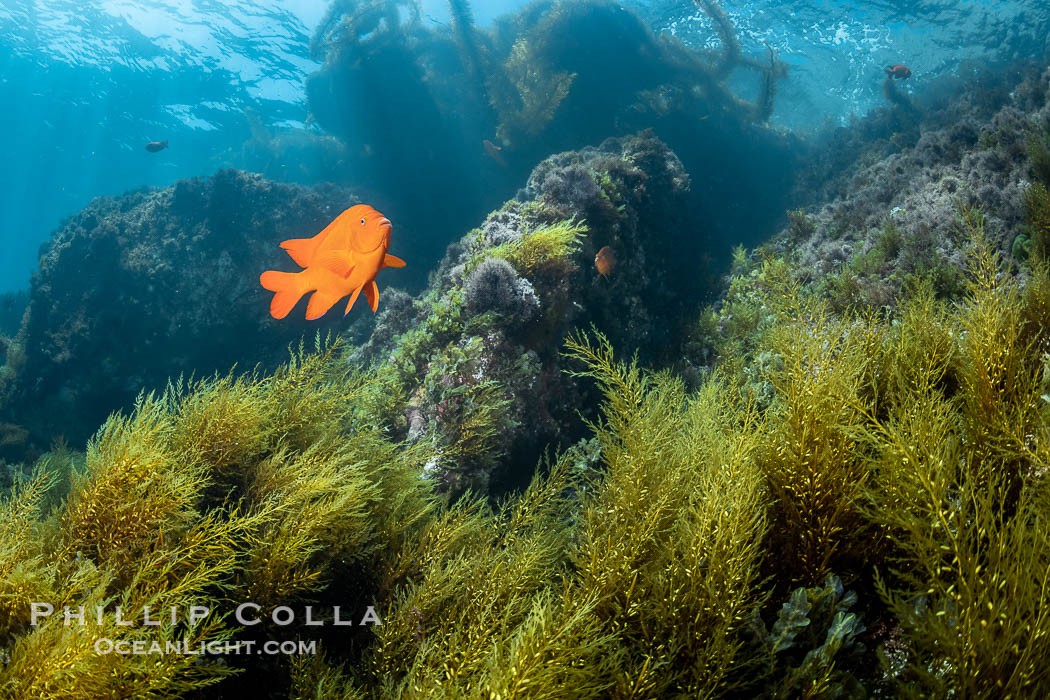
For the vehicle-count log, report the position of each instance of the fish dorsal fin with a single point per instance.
(302, 249)
(337, 261)
(393, 261)
(372, 294)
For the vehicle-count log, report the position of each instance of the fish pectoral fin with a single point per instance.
(393, 261)
(336, 262)
(319, 304)
(372, 294)
(353, 298)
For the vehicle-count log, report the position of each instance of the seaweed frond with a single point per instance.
(998, 368)
(255, 488)
(317, 507)
(671, 539)
(528, 91)
(958, 486)
(542, 248)
(137, 488)
(25, 574)
(486, 609)
(1037, 147)
(813, 466)
(1037, 220)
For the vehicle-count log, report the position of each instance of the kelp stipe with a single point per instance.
(468, 43)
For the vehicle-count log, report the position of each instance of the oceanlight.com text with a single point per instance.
(184, 647)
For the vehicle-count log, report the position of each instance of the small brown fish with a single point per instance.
(493, 152)
(605, 261)
(898, 71)
(154, 146)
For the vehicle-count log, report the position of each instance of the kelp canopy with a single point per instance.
(528, 64)
(474, 109)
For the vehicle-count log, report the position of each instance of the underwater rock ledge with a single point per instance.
(136, 289)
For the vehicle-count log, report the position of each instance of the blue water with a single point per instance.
(834, 48)
(85, 85)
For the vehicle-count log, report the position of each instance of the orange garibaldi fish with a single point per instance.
(605, 261)
(342, 259)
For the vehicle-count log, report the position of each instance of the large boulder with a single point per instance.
(157, 283)
(475, 364)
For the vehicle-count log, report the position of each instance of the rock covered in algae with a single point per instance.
(478, 354)
(892, 213)
(156, 283)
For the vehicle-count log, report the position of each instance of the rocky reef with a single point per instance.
(137, 289)
(481, 347)
(12, 307)
(896, 215)
(851, 503)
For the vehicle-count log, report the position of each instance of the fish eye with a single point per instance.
(362, 221)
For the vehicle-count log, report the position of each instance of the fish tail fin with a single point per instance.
(302, 249)
(288, 288)
(164, 142)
